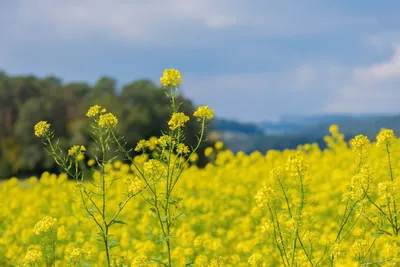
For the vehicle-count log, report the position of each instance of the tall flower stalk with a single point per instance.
(93, 195)
(168, 161)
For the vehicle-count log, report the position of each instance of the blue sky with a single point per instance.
(249, 60)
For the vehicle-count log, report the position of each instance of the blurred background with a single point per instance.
(277, 73)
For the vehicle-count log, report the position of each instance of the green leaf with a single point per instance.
(180, 215)
(378, 234)
(101, 234)
(112, 244)
(118, 221)
(160, 241)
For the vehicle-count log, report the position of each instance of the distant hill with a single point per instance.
(294, 124)
(224, 125)
(292, 131)
(369, 126)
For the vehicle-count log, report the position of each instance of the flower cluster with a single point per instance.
(171, 77)
(46, 224)
(95, 111)
(108, 120)
(264, 195)
(42, 128)
(360, 143)
(32, 257)
(74, 255)
(76, 150)
(385, 136)
(182, 149)
(204, 112)
(177, 120)
(134, 185)
(296, 165)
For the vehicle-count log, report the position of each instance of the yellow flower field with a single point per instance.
(222, 223)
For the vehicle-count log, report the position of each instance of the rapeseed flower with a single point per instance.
(177, 120)
(108, 120)
(360, 143)
(204, 112)
(359, 248)
(182, 149)
(385, 137)
(42, 128)
(32, 257)
(141, 261)
(171, 77)
(141, 146)
(46, 224)
(76, 150)
(95, 110)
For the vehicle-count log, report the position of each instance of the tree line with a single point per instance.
(141, 106)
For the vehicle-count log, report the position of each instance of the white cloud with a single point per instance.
(374, 88)
(381, 71)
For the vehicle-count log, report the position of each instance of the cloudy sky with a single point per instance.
(249, 60)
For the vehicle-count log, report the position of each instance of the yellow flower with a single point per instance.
(165, 141)
(177, 120)
(46, 224)
(387, 190)
(204, 112)
(334, 129)
(194, 157)
(360, 143)
(134, 184)
(360, 182)
(91, 162)
(108, 120)
(266, 227)
(219, 145)
(264, 195)
(208, 151)
(335, 251)
(32, 257)
(95, 110)
(61, 233)
(255, 259)
(360, 247)
(296, 165)
(182, 149)
(171, 77)
(201, 261)
(141, 146)
(42, 128)
(385, 137)
(74, 255)
(76, 150)
(140, 261)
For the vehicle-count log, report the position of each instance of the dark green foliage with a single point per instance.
(141, 107)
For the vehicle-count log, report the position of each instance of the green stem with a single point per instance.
(396, 229)
(103, 214)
